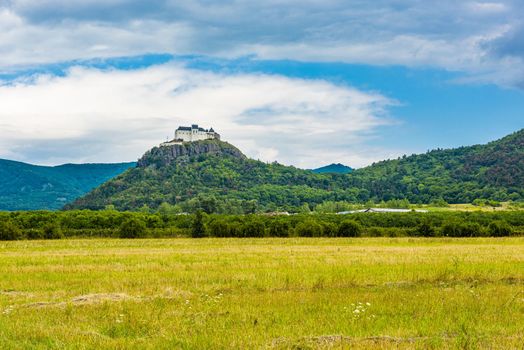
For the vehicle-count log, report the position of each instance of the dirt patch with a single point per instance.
(342, 342)
(15, 293)
(88, 299)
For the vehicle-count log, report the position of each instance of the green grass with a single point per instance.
(262, 293)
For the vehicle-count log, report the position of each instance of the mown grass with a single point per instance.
(262, 293)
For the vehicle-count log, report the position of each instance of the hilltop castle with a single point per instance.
(192, 133)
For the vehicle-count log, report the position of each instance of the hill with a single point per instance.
(333, 168)
(30, 187)
(460, 175)
(216, 176)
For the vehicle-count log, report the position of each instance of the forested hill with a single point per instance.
(333, 168)
(30, 187)
(217, 176)
(460, 175)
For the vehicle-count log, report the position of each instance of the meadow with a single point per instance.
(276, 293)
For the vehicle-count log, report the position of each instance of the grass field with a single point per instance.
(262, 293)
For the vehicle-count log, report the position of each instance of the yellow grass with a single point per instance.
(262, 293)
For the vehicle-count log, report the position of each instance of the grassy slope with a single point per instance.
(256, 293)
(27, 187)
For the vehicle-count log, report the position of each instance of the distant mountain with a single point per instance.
(334, 169)
(217, 176)
(31, 187)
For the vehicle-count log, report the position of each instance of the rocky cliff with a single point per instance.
(165, 155)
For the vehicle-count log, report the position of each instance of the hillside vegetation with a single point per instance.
(217, 177)
(28, 187)
(492, 171)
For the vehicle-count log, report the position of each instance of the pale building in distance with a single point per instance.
(192, 133)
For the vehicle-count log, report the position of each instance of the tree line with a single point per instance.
(112, 223)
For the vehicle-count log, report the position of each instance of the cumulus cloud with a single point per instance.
(92, 115)
(447, 34)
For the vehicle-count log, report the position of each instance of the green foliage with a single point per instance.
(132, 228)
(9, 231)
(197, 228)
(52, 230)
(308, 228)
(111, 223)
(425, 229)
(349, 228)
(31, 187)
(216, 177)
(499, 228)
(462, 229)
(254, 228)
(279, 228)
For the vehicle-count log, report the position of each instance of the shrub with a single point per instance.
(52, 230)
(308, 228)
(254, 229)
(279, 229)
(461, 229)
(9, 231)
(132, 228)
(218, 228)
(425, 230)
(349, 228)
(198, 229)
(500, 228)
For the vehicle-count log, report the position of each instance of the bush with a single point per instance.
(500, 228)
(308, 228)
(9, 231)
(279, 229)
(349, 228)
(132, 228)
(254, 229)
(218, 228)
(461, 229)
(52, 231)
(425, 230)
(198, 229)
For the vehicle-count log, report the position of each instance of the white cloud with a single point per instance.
(102, 116)
(443, 34)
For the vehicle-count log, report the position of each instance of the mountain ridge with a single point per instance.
(33, 187)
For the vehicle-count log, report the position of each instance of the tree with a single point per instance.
(425, 230)
(349, 228)
(9, 231)
(254, 228)
(132, 228)
(308, 228)
(198, 229)
(52, 230)
(279, 229)
(500, 228)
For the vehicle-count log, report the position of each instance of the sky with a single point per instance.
(304, 83)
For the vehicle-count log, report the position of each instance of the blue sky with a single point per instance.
(304, 83)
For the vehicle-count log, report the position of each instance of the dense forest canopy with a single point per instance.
(31, 187)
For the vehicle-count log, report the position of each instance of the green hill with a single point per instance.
(216, 175)
(333, 168)
(29, 187)
(461, 175)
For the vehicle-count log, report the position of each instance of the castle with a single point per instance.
(192, 133)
